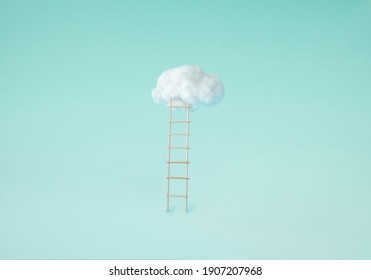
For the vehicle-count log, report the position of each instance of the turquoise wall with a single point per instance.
(280, 169)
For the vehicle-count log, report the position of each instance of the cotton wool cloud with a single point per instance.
(188, 84)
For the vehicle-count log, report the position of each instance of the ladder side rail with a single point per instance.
(187, 157)
(168, 156)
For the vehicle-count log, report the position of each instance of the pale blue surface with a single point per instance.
(280, 168)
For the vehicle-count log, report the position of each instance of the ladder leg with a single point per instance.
(168, 157)
(187, 158)
(167, 196)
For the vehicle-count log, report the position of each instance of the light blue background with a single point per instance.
(280, 168)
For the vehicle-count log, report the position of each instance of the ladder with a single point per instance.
(170, 148)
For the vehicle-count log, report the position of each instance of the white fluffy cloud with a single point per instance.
(188, 84)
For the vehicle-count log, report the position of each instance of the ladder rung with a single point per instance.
(178, 134)
(180, 106)
(178, 147)
(177, 195)
(177, 177)
(180, 121)
(178, 162)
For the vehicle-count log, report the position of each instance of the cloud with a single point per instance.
(188, 84)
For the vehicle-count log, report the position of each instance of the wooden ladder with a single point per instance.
(170, 148)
